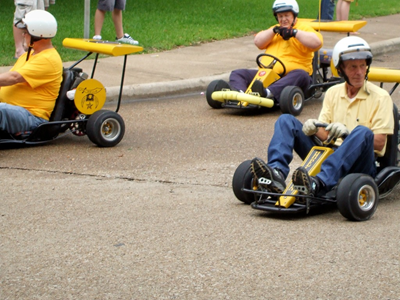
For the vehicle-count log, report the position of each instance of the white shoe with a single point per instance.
(127, 39)
(97, 37)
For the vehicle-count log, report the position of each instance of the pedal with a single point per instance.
(301, 189)
(264, 180)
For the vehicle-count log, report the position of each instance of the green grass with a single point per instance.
(166, 24)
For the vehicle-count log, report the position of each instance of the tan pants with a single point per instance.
(22, 7)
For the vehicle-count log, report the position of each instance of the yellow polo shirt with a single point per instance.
(292, 53)
(43, 75)
(373, 108)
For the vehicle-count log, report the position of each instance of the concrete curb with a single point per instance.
(167, 88)
(160, 89)
(380, 48)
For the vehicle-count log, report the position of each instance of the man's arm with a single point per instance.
(379, 141)
(263, 38)
(308, 39)
(11, 78)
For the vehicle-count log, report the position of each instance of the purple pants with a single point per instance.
(240, 79)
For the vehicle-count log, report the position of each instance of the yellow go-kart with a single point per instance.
(292, 99)
(78, 108)
(356, 195)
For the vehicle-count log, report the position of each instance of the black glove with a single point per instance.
(287, 33)
(277, 29)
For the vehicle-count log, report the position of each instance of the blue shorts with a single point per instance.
(15, 119)
(110, 5)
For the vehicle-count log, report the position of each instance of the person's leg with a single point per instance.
(345, 11)
(298, 78)
(19, 42)
(342, 10)
(240, 79)
(40, 4)
(288, 136)
(338, 10)
(117, 19)
(327, 9)
(20, 11)
(102, 7)
(98, 21)
(14, 119)
(355, 155)
(119, 6)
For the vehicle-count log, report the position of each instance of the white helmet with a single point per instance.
(285, 5)
(350, 48)
(40, 24)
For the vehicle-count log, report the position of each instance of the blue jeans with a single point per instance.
(240, 79)
(355, 155)
(14, 119)
(327, 9)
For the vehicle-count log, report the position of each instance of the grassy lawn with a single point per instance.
(165, 24)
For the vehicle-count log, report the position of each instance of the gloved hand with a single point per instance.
(276, 29)
(336, 130)
(287, 33)
(309, 127)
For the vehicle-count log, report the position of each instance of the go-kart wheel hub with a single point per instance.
(297, 101)
(366, 197)
(110, 128)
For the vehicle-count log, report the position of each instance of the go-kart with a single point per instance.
(356, 195)
(80, 112)
(220, 95)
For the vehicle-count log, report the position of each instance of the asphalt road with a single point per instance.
(155, 217)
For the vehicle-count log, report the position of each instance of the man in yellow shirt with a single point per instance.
(29, 90)
(356, 109)
(293, 43)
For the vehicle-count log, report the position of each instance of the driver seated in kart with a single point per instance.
(293, 43)
(357, 112)
(28, 92)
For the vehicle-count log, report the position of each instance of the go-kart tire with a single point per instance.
(357, 197)
(105, 128)
(242, 178)
(215, 85)
(291, 100)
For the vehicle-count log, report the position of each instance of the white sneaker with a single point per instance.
(127, 39)
(97, 37)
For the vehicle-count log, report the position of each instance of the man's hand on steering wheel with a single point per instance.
(336, 130)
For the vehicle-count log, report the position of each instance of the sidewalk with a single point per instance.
(193, 68)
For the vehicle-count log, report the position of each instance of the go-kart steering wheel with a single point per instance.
(329, 141)
(272, 64)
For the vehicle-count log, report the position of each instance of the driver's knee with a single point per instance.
(240, 79)
(361, 132)
(287, 120)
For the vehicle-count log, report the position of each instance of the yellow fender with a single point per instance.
(221, 96)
